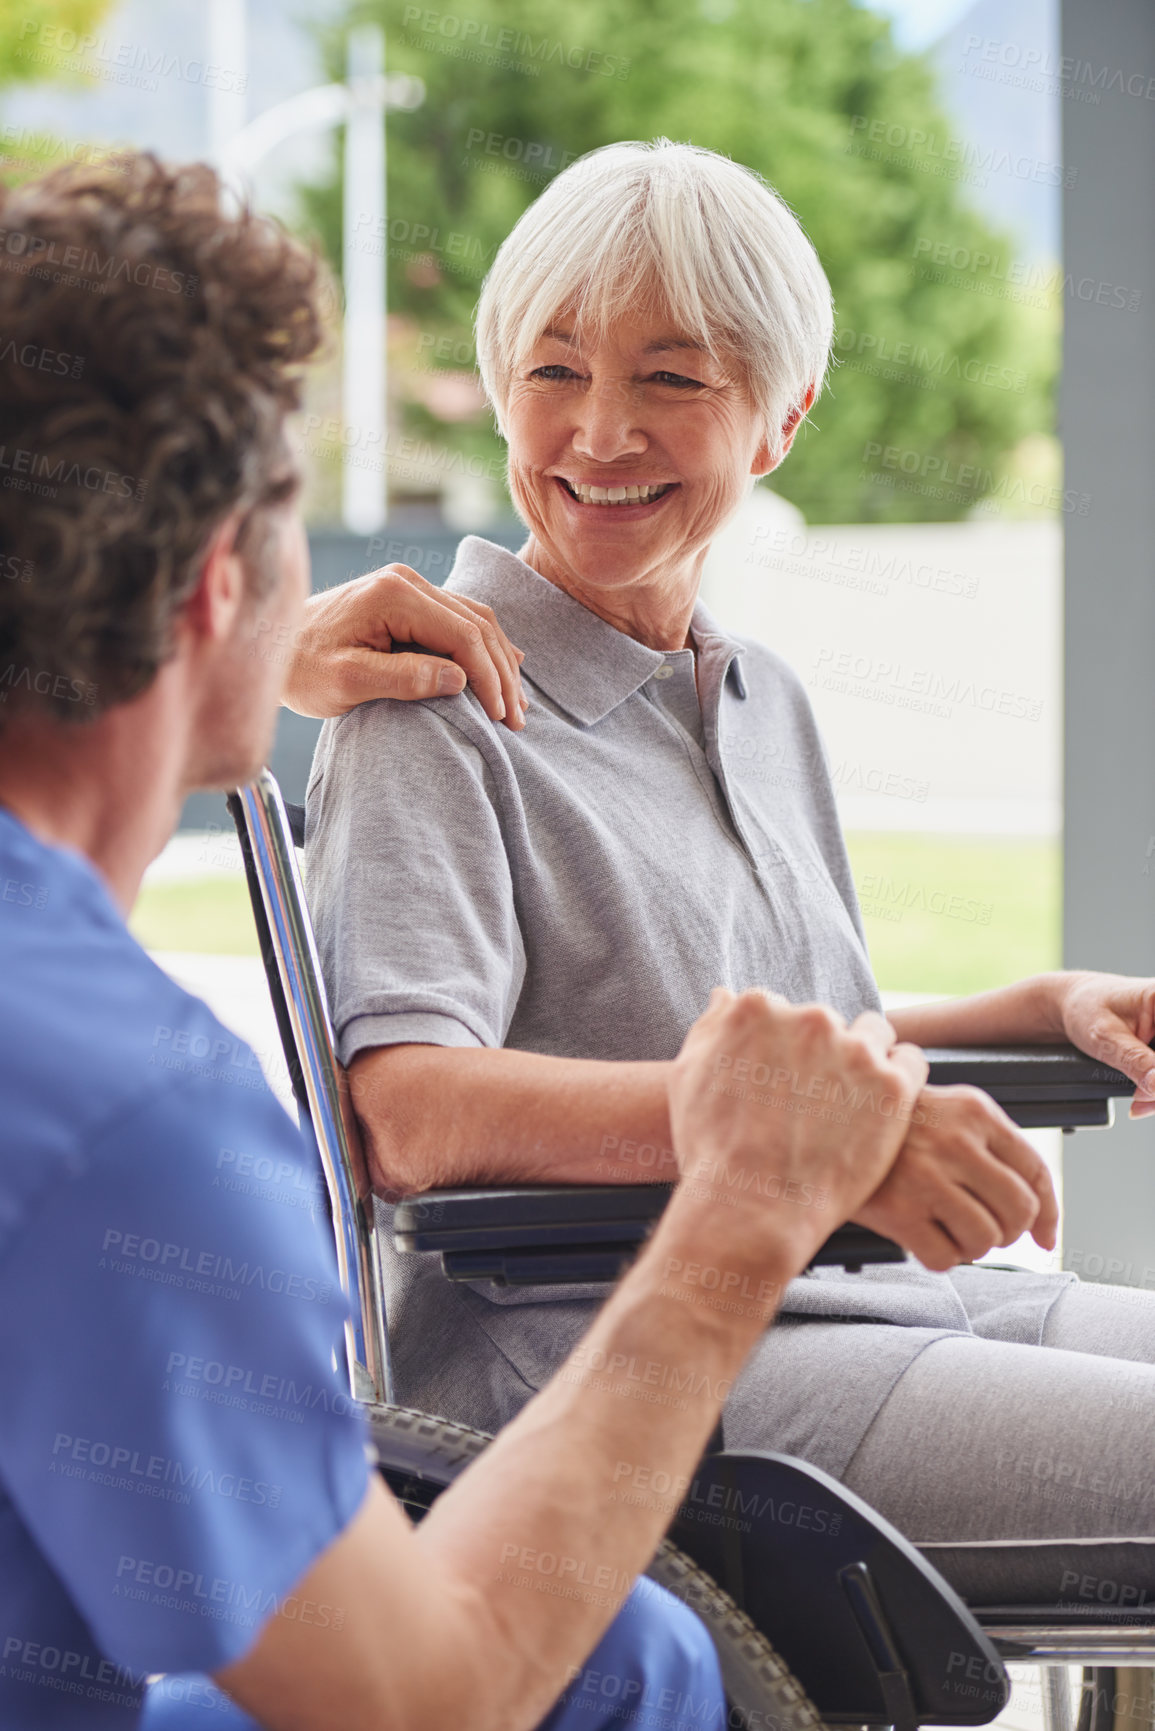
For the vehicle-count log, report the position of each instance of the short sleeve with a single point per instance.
(409, 881)
(174, 1436)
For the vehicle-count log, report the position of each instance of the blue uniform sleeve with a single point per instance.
(175, 1436)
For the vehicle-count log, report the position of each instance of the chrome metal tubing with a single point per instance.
(334, 1126)
(1072, 1644)
(1057, 1711)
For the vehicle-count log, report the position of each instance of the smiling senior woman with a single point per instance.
(518, 926)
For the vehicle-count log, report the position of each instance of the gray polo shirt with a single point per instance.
(577, 889)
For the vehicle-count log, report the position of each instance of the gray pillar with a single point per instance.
(1108, 431)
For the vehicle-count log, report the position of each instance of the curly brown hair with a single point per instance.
(152, 340)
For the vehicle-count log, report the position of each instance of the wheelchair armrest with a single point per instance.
(566, 1234)
(1038, 1086)
(570, 1234)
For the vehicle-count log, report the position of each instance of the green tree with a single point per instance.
(952, 377)
(41, 40)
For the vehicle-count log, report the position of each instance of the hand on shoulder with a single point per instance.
(346, 652)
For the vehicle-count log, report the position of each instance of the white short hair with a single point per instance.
(725, 256)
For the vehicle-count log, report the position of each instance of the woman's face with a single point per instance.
(645, 416)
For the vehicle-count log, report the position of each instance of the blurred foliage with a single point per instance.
(38, 37)
(517, 88)
(40, 40)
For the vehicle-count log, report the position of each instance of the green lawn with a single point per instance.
(943, 913)
(210, 915)
(957, 914)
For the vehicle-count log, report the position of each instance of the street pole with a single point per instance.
(360, 104)
(365, 474)
(228, 55)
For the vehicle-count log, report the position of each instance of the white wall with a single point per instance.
(932, 653)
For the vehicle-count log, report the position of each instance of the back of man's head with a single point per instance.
(151, 344)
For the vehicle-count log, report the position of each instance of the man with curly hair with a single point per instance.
(183, 1482)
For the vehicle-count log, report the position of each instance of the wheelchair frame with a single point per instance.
(578, 1233)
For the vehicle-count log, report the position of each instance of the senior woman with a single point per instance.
(517, 927)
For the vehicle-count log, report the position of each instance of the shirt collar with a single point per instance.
(580, 661)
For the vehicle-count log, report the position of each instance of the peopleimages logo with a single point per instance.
(33, 470)
(130, 1253)
(41, 682)
(215, 1596)
(917, 687)
(122, 62)
(121, 1467)
(196, 1373)
(74, 1673)
(478, 38)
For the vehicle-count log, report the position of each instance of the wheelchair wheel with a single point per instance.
(418, 1455)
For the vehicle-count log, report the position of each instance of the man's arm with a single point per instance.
(522, 1564)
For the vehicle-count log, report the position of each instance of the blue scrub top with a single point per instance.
(176, 1448)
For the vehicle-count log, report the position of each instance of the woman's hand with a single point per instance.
(1112, 1017)
(345, 652)
(966, 1179)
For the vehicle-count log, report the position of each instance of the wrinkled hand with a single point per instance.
(783, 1110)
(345, 651)
(965, 1179)
(1112, 1017)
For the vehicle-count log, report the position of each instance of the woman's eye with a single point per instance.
(553, 373)
(676, 379)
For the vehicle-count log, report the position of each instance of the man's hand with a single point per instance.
(345, 651)
(966, 1179)
(786, 1116)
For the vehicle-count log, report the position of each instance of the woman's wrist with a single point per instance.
(1050, 995)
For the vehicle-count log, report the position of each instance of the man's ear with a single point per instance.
(764, 460)
(211, 610)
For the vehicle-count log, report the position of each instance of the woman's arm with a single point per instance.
(1109, 1016)
(435, 1116)
(1024, 1013)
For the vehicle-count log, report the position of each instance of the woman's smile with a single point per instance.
(615, 496)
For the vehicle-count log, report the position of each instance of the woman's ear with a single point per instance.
(764, 460)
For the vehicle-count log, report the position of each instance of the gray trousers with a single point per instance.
(1003, 1421)
(1028, 1472)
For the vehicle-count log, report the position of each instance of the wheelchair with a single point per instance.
(836, 1618)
